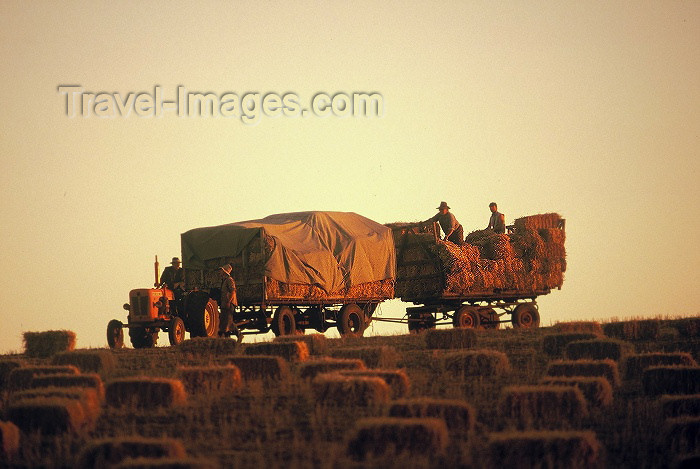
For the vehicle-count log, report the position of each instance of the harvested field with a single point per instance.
(477, 363)
(450, 338)
(580, 327)
(210, 380)
(316, 343)
(111, 451)
(458, 415)
(382, 436)
(543, 407)
(636, 364)
(680, 406)
(374, 357)
(335, 389)
(145, 392)
(659, 380)
(209, 346)
(261, 367)
(597, 391)
(49, 416)
(312, 368)
(396, 379)
(545, 449)
(598, 349)
(555, 344)
(87, 361)
(47, 343)
(294, 351)
(591, 368)
(21, 378)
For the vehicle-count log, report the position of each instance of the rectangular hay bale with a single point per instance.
(477, 363)
(263, 367)
(312, 368)
(107, 452)
(145, 392)
(87, 361)
(544, 449)
(458, 415)
(86, 380)
(316, 343)
(598, 349)
(607, 369)
(293, 351)
(597, 390)
(210, 380)
(450, 338)
(21, 378)
(685, 405)
(50, 416)
(659, 380)
(555, 344)
(636, 364)
(396, 379)
(47, 343)
(382, 356)
(335, 389)
(543, 406)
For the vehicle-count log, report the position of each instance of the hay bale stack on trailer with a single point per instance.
(489, 271)
(296, 271)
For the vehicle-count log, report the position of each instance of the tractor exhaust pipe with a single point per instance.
(155, 267)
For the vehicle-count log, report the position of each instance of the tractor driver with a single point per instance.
(173, 277)
(229, 300)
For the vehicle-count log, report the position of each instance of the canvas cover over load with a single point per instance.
(333, 251)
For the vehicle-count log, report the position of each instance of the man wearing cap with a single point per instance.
(229, 300)
(497, 222)
(449, 224)
(173, 276)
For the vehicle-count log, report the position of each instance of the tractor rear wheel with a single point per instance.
(142, 338)
(526, 316)
(204, 321)
(115, 334)
(283, 322)
(176, 332)
(351, 321)
(466, 317)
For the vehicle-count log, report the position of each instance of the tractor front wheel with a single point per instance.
(115, 334)
(176, 332)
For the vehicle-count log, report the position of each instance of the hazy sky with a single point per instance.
(590, 109)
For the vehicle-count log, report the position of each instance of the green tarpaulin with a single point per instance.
(333, 250)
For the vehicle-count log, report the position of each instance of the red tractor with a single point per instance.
(154, 309)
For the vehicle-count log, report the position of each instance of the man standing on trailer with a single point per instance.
(229, 300)
(449, 224)
(497, 222)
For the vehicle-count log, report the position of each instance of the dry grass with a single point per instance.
(374, 357)
(597, 391)
(88, 398)
(49, 416)
(293, 351)
(589, 368)
(145, 392)
(680, 406)
(21, 378)
(390, 436)
(210, 379)
(597, 349)
(477, 363)
(396, 379)
(209, 347)
(90, 380)
(47, 343)
(648, 329)
(543, 406)
(163, 463)
(458, 415)
(106, 453)
(636, 364)
(581, 327)
(335, 389)
(87, 361)
(9, 441)
(555, 344)
(544, 449)
(316, 343)
(683, 435)
(659, 380)
(261, 367)
(450, 338)
(312, 368)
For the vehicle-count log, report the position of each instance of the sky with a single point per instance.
(590, 109)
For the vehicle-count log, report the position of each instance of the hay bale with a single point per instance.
(295, 351)
(47, 343)
(50, 416)
(597, 391)
(477, 363)
(682, 435)
(261, 367)
(687, 327)
(21, 378)
(210, 379)
(636, 364)
(87, 361)
(543, 406)
(597, 349)
(9, 440)
(334, 389)
(317, 344)
(459, 416)
(166, 463)
(396, 379)
(390, 436)
(145, 392)
(647, 329)
(450, 338)
(312, 368)
(587, 368)
(87, 397)
(544, 449)
(373, 356)
(209, 347)
(657, 380)
(680, 406)
(555, 344)
(105, 453)
(581, 327)
(6, 366)
(91, 380)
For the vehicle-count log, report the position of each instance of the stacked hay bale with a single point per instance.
(531, 258)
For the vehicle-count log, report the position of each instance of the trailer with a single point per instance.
(464, 287)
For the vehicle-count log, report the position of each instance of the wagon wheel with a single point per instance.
(526, 316)
(142, 337)
(351, 321)
(176, 332)
(466, 317)
(283, 322)
(489, 319)
(115, 334)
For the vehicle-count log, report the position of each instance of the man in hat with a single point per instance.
(173, 277)
(229, 300)
(449, 224)
(497, 222)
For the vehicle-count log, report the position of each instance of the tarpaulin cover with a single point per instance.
(333, 250)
